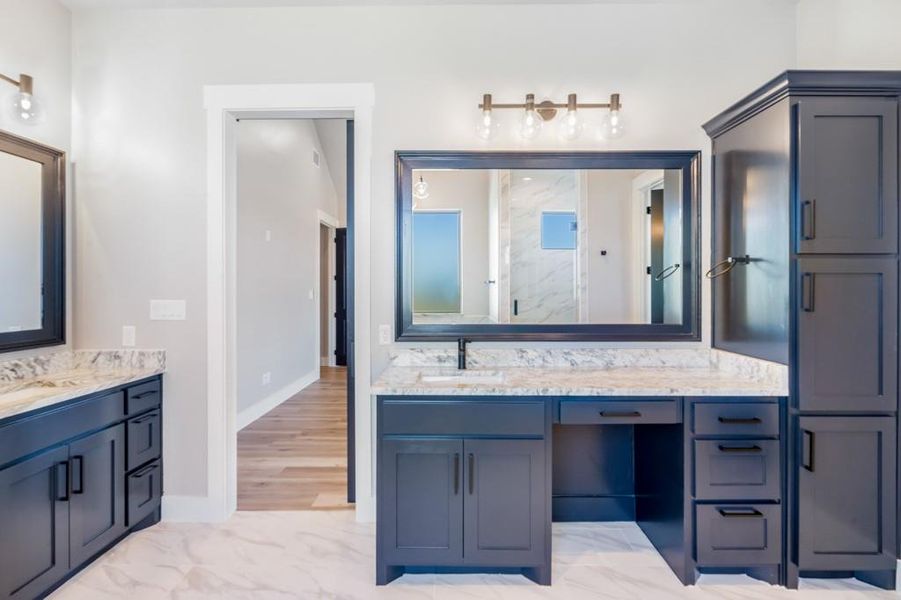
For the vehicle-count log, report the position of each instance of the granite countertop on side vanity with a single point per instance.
(582, 372)
(41, 381)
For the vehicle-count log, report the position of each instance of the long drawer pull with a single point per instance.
(144, 395)
(456, 473)
(62, 481)
(808, 219)
(807, 450)
(741, 449)
(78, 474)
(740, 420)
(733, 513)
(620, 414)
(808, 292)
(146, 470)
(145, 418)
(472, 473)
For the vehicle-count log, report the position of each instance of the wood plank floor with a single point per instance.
(295, 456)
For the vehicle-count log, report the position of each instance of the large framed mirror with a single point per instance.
(548, 246)
(32, 244)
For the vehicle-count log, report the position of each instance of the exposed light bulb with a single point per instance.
(487, 125)
(571, 125)
(612, 125)
(530, 124)
(24, 107)
(420, 189)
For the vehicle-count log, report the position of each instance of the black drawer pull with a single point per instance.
(808, 219)
(735, 513)
(620, 414)
(807, 450)
(62, 481)
(472, 473)
(740, 420)
(78, 474)
(741, 449)
(808, 292)
(145, 418)
(456, 473)
(144, 395)
(145, 471)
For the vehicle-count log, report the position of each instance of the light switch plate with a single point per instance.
(384, 335)
(167, 310)
(128, 335)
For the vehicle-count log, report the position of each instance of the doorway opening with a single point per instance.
(294, 408)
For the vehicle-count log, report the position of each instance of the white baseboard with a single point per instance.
(190, 509)
(325, 361)
(257, 410)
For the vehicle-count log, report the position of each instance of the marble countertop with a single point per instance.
(642, 374)
(42, 381)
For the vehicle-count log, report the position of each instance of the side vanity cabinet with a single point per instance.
(74, 480)
(814, 155)
(463, 484)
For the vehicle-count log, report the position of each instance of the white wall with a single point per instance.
(333, 137)
(466, 191)
(280, 191)
(35, 40)
(849, 34)
(139, 128)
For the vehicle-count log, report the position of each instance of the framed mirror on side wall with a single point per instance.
(32, 244)
(549, 246)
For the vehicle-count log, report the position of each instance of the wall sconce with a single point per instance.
(24, 106)
(420, 190)
(535, 115)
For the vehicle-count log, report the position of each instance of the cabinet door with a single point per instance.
(421, 502)
(848, 175)
(97, 516)
(846, 493)
(506, 518)
(847, 334)
(34, 524)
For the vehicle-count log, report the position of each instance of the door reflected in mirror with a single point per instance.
(21, 239)
(548, 246)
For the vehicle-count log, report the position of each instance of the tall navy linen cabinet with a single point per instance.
(806, 188)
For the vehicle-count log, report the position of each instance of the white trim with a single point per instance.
(223, 104)
(331, 223)
(186, 509)
(261, 407)
(641, 185)
(326, 219)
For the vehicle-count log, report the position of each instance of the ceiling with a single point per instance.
(106, 4)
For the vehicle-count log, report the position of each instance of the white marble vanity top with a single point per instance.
(41, 381)
(583, 372)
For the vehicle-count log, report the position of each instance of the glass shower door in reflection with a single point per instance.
(436, 262)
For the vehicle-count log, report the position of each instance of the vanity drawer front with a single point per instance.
(144, 439)
(463, 417)
(737, 469)
(143, 397)
(738, 535)
(145, 489)
(736, 418)
(620, 411)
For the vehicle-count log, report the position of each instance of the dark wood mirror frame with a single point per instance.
(688, 162)
(53, 244)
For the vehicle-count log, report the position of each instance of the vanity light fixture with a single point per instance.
(536, 114)
(23, 105)
(420, 189)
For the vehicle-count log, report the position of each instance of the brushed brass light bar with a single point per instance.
(548, 108)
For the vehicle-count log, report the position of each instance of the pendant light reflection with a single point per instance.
(420, 190)
(23, 106)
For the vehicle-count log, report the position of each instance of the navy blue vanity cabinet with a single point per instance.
(64, 486)
(821, 149)
(463, 484)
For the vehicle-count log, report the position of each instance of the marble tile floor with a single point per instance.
(326, 554)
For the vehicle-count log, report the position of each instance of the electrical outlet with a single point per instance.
(267, 378)
(128, 335)
(384, 335)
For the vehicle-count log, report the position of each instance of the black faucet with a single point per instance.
(461, 353)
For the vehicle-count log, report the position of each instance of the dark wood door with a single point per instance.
(846, 493)
(847, 334)
(421, 501)
(34, 524)
(97, 516)
(848, 175)
(506, 518)
(341, 297)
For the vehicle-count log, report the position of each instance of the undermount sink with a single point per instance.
(463, 376)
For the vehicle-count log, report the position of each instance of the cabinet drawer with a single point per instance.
(733, 535)
(463, 417)
(737, 470)
(145, 489)
(144, 439)
(620, 411)
(735, 418)
(143, 397)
